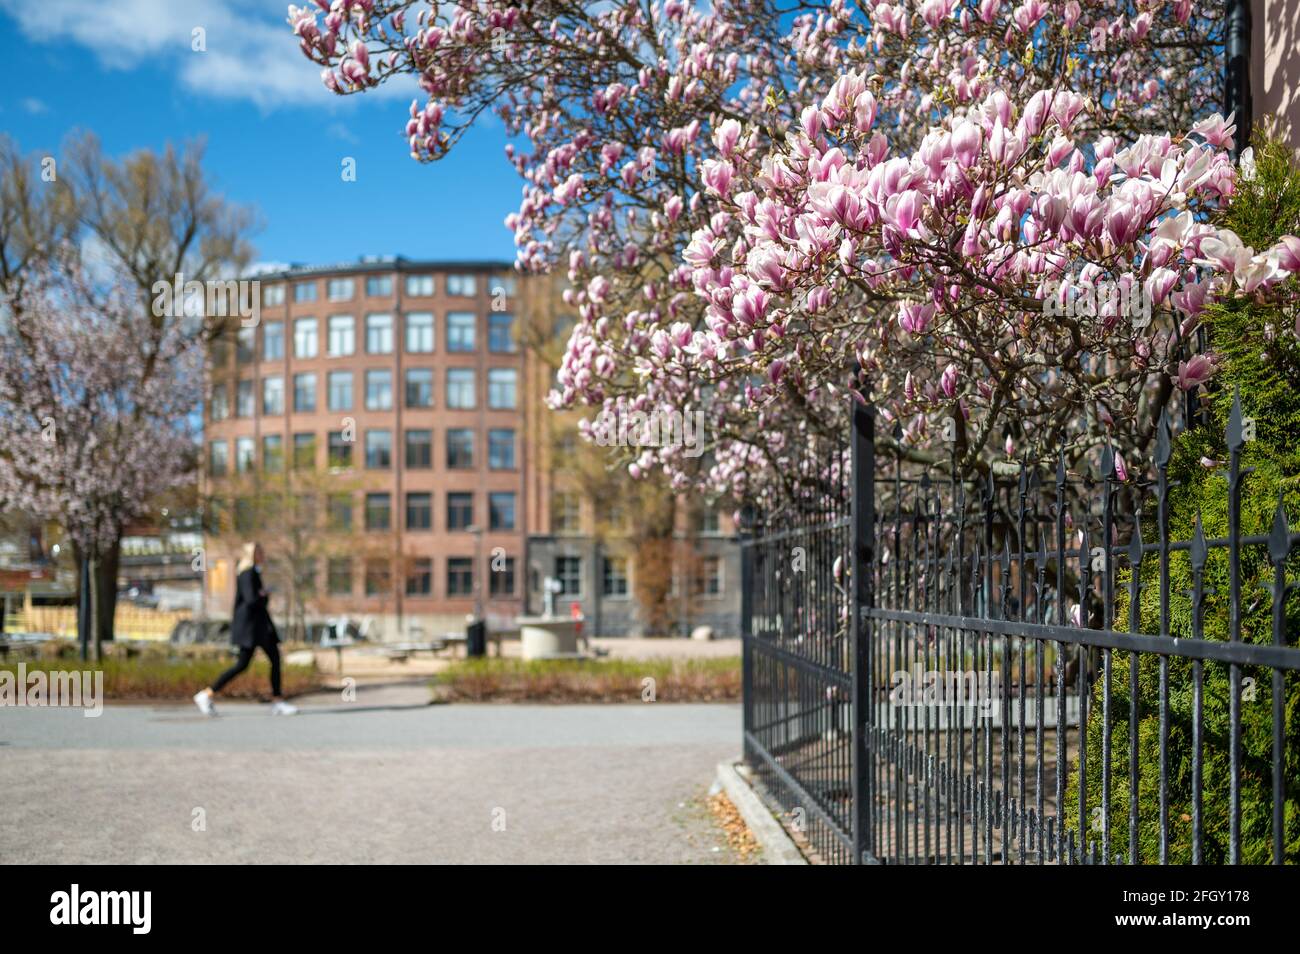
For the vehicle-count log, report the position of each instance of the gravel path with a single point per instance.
(383, 779)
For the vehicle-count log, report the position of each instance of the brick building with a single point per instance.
(382, 430)
(380, 404)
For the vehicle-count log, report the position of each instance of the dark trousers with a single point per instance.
(245, 657)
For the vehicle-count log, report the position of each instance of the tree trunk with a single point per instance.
(95, 587)
(105, 577)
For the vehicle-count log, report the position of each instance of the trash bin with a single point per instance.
(476, 638)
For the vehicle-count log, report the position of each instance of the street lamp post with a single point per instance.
(1236, 70)
(477, 574)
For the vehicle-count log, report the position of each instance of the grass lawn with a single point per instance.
(590, 680)
(165, 673)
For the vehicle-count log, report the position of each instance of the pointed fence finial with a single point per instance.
(1135, 543)
(1198, 551)
(1163, 449)
(1236, 430)
(1279, 538)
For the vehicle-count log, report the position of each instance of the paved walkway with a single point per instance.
(382, 779)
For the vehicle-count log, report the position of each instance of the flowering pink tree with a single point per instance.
(754, 202)
(95, 396)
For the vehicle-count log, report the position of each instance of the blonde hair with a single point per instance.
(246, 557)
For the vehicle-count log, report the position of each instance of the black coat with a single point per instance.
(250, 624)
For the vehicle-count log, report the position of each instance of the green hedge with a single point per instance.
(1261, 361)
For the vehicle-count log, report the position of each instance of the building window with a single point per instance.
(304, 292)
(304, 338)
(460, 576)
(378, 512)
(501, 576)
(708, 521)
(501, 388)
(339, 512)
(419, 387)
(460, 449)
(419, 332)
(460, 511)
(501, 511)
(379, 450)
(340, 450)
(273, 341)
(379, 286)
(419, 511)
(245, 405)
(379, 577)
(342, 335)
(219, 409)
(272, 294)
(246, 345)
(460, 388)
(304, 451)
(501, 332)
(218, 458)
(503, 286)
(419, 449)
(340, 388)
(379, 333)
(339, 571)
(245, 513)
(273, 395)
(304, 392)
(460, 331)
(501, 449)
(340, 289)
(379, 390)
(419, 577)
(709, 580)
(614, 576)
(273, 453)
(419, 286)
(220, 352)
(245, 455)
(568, 571)
(463, 286)
(565, 515)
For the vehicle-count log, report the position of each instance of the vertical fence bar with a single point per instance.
(746, 625)
(862, 457)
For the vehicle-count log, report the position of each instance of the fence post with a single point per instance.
(746, 626)
(863, 512)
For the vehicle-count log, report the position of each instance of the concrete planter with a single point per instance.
(548, 638)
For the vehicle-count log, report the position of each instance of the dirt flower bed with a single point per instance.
(596, 680)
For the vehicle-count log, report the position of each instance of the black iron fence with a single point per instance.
(1020, 669)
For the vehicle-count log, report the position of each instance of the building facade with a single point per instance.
(382, 429)
(367, 429)
(587, 520)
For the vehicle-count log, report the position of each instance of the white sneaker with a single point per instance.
(283, 708)
(204, 702)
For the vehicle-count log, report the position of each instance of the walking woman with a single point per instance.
(250, 628)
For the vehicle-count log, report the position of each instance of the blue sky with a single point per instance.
(276, 138)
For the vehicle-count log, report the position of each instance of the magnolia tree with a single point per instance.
(94, 400)
(764, 210)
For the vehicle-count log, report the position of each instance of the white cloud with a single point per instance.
(34, 106)
(251, 53)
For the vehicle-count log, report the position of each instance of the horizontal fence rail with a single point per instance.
(1020, 670)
